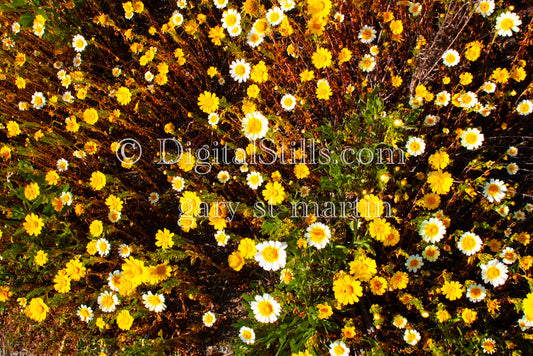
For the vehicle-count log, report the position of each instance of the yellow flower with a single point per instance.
(473, 50)
(345, 55)
(465, 78)
(114, 203)
(316, 25)
(13, 128)
(431, 201)
(518, 73)
(33, 224)
(396, 80)
(212, 71)
(5, 153)
(469, 315)
(378, 285)
(396, 27)
(216, 34)
(399, 280)
(62, 282)
(187, 162)
(123, 95)
(190, 203)
(124, 320)
(439, 160)
(379, 229)
(318, 7)
(259, 73)
(20, 83)
(98, 180)
(40, 258)
(323, 90)
(134, 271)
(363, 268)
(347, 290)
(247, 248)
(500, 75)
(443, 315)
(307, 75)
(164, 239)
(31, 191)
(96, 228)
(301, 171)
(36, 310)
(5, 293)
(236, 261)
(208, 102)
(324, 311)
(527, 306)
(440, 182)
(252, 91)
(75, 269)
(92, 247)
(321, 58)
(452, 290)
(370, 207)
(90, 116)
(274, 193)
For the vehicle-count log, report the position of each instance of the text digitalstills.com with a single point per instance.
(303, 151)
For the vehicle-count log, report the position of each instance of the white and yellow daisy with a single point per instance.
(265, 308)
(220, 4)
(287, 5)
(271, 255)
(209, 319)
(512, 168)
(223, 176)
(274, 16)
(255, 126)
(62, 164)
(468, 100)
(469, 243)
(235, 31)
(177, 18)
(489, 87)
(148, 76)
(494, 190)
(154, 302)
(153, 197)
(338, 348)
(254, 38)
(213, 119)
(247, 335)
(288, 102)
(411, 336)
(221, 238)
(476, 293)
(76, 61)
(472, 138)
(485, 7)
(374, 50)
(240, 70)
(399, 321)
(113, 280)
(525, 107)
(451, 58)
(38, 100)
(432, 230)
(124, 251)
(103, 247)
(15, 27)
(442, 98)
(488, 345)
(431, 120)
(506, 23)
(431, 253)
(178, 183)
(254, 180)
(114, 216)
(415, 8)
(79, 43)
(85, 313)
(367, 34)
(494, 272)
(414, 263)
(367, 63)
(512, 151)
(509, 255)
(415, 146)
(66, 198)
(318, 235)
(230, 18)
(182, 4)
(68, 97)
(116, 72)
(107, 301)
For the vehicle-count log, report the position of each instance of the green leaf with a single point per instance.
(18, 3)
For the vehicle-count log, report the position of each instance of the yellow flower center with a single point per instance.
(107, 301)
(475, 293)
(524, 107)
(270, 254)
(254, 126)
(339, 350)
(493, 273)
(507, 24)
(154, 300)
(231, 20)
(265, 308)
(471, 138)
(367, 34)
(79, 43)
(493, 189)
(450, 58)
(317, 235)
(415, 146)
(240, 70)
(484, 7)
(247, 334)
(274, 17)
(431, 230)
(468, 243)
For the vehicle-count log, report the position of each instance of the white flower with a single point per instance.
(442, 98)
(66, 198)
(240, 70)
(15, 27)
(472, 138)
(399, 321)
(230, 18)
(38, 100)
(494, 190)
(508, 255)
(247, 335)
(414, 263)
(182, 4)
(113, 280)
(367, 63)
(476, 293)
(432, 230)
(469, 243)
(415, 146)
(411, 336)
(85, 313)
(62, 164)
(209, 319)
(148, 76)
(431, 253)
(507, 22)
(485, 8)
(415, 8)
(318, 235)
(489, 87)
(102, 246)
(274, 16)
(254, 180)
(213, 119)
(177, 18)
(287, 5)
(154, 302)
(220, 4)
(288, 102)
(222, 238)
(223, 176)
(367, 34)
(153, 198)
(178, 183)
(431, 120)
(67, 97)
(271, 255)
(76, 61)
(525, 107)
(254, 39)
(79, 43)
(124, 251)
(235, 30)
(494, 272)
(468, 100)
(107, 301)
(265, 308)
(338, 348)
(451, 58)
(255, 126)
